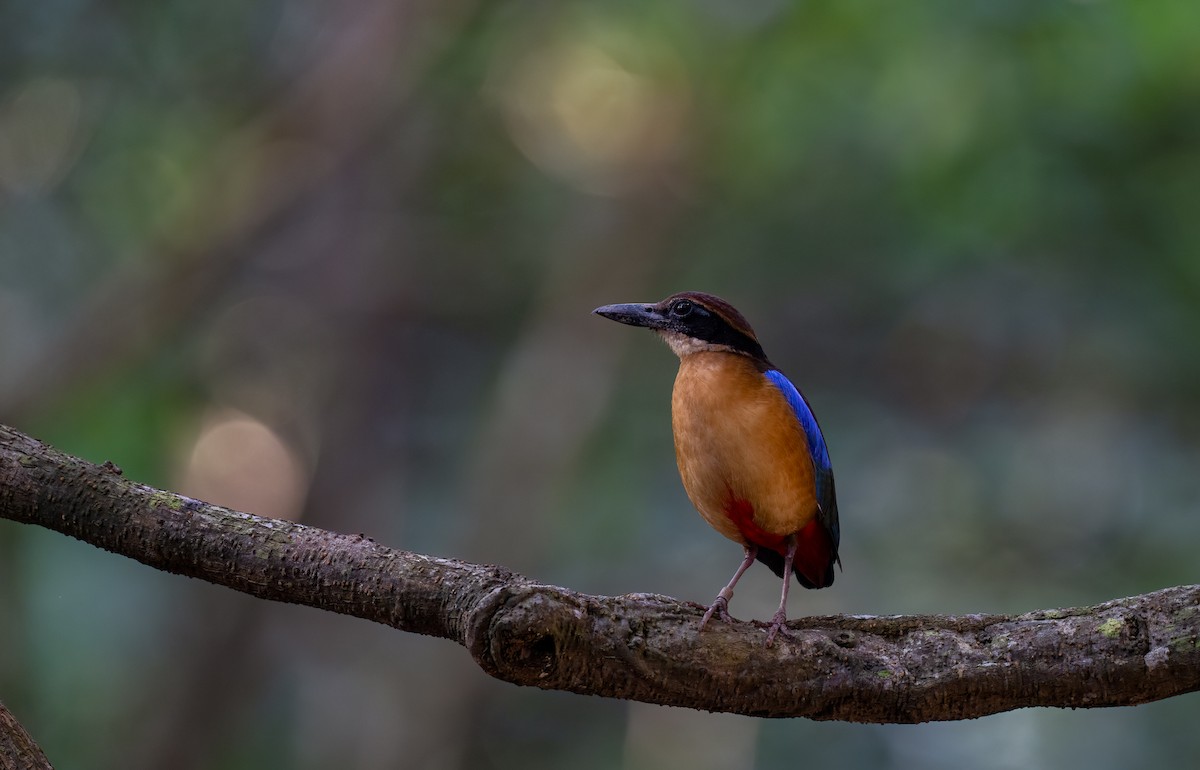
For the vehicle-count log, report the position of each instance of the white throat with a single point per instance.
(683, 345)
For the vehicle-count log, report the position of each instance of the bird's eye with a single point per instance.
(682, 308)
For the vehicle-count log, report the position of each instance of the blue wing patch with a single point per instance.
(823, 469)
(812, 431)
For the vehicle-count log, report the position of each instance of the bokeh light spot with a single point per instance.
(239, 462)
(578, 113)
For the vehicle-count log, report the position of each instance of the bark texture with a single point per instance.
(17, 749)
(639, 646)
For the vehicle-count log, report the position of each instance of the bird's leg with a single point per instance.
(781, 613)
(720, 605)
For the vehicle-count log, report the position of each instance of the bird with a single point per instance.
(752, 458)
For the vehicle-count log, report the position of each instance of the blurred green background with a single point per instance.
(335, 262)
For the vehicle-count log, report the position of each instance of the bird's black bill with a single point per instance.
(632, 314)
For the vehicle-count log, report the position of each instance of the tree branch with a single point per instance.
(639, 646)
(18, 751)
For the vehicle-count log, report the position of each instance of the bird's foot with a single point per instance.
(777, 622)
(720, 606)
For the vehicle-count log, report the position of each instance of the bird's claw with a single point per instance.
(777, 622)
(720, 606)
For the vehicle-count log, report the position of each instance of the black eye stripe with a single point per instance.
(708, 318)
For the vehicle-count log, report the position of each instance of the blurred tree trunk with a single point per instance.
(640, 647)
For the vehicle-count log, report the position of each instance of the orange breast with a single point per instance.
(742, 454)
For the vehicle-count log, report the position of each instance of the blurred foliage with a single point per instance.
(345, 254)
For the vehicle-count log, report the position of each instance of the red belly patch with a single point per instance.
(814, 554)
(741, 513)
(814, 548)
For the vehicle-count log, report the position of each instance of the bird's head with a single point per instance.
(691, 322)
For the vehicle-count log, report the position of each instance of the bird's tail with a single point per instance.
(814, 560)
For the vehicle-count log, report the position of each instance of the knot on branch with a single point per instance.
(518, 632)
